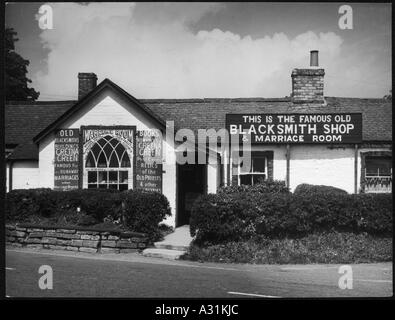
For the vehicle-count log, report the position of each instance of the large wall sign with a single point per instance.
(66, 159)
(296, 128)
(148, 174)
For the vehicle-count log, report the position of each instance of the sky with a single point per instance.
(204, 50)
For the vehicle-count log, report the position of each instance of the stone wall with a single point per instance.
(78, 239)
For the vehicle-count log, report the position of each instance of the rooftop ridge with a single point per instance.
(39, 102)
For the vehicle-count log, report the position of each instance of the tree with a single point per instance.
(15, 72)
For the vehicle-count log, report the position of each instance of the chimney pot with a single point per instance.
(314, 58)
(86, 83)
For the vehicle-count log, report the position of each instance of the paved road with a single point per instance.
(132, 275)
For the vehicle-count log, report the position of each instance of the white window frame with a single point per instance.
(252, 172)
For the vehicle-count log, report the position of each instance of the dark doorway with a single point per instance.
(191, 183)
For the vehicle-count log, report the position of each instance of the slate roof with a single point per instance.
(25, 120)
(210, 113)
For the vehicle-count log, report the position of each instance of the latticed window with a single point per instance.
(378, 174)
(107, 163)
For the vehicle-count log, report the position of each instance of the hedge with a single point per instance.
(218, 218)
(308, 189)
(132, 210)
(268, 186)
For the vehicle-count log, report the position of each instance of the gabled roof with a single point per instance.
(25, 120)
(106, 83)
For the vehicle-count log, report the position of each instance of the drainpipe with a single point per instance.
(10, 176)
(356, 169)
(288, 156)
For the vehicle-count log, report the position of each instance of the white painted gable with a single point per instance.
(109, 111)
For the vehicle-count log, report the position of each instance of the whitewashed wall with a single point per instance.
(25, 175)
(317, 164)
(107, 110)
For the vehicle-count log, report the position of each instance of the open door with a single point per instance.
(191, 183)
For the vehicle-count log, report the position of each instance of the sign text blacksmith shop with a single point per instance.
(296, 128)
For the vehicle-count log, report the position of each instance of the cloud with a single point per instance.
(150, 51)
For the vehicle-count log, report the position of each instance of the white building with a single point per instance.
(98, 141)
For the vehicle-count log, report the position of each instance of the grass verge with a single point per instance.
(333, 247)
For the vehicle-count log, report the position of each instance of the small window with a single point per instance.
(257, 171)
(378, 174)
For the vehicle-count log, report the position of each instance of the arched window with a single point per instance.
(107, 163)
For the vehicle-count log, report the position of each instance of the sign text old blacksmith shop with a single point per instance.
(296, 128)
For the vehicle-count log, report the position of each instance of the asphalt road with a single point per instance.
(132, 276)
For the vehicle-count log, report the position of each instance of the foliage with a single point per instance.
(266, 186)
(219, 218)
(133, 210)
(144, 211)
(332, 247)
(306, 189)
(16, 82)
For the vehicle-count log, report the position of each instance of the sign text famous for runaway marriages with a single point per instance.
(66, 159)
(296, 128)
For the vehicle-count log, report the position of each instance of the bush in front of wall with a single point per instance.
(143, 211)
(220, 218)
(266, 186)
(136, 210)
(308, 189)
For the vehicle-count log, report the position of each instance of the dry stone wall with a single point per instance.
(78, 239)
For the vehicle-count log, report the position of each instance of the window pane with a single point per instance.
(259, 164)
(90, 161)
(114, 163)
(113, 186)
(103, 186)
(125, 162)
(92, 186)
(96, 150)
(246, 179)
(123, 177)
(102, 162)
(102, 176)
(107, 149)
(123, 187)
(113, 176)
(259, 178)
(243, 168)
(92, 176)
(378, 166)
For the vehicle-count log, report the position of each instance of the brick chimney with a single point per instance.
(308, 84)
(86, 83)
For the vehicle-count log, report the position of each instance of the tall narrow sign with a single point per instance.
(148, 174)
(66, 159)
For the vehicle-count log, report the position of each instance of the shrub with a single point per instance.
(239, 216)
(266, 186)
(139, 211)
(22, 203)
(332, 247)
(308, 189)
(143, 211)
